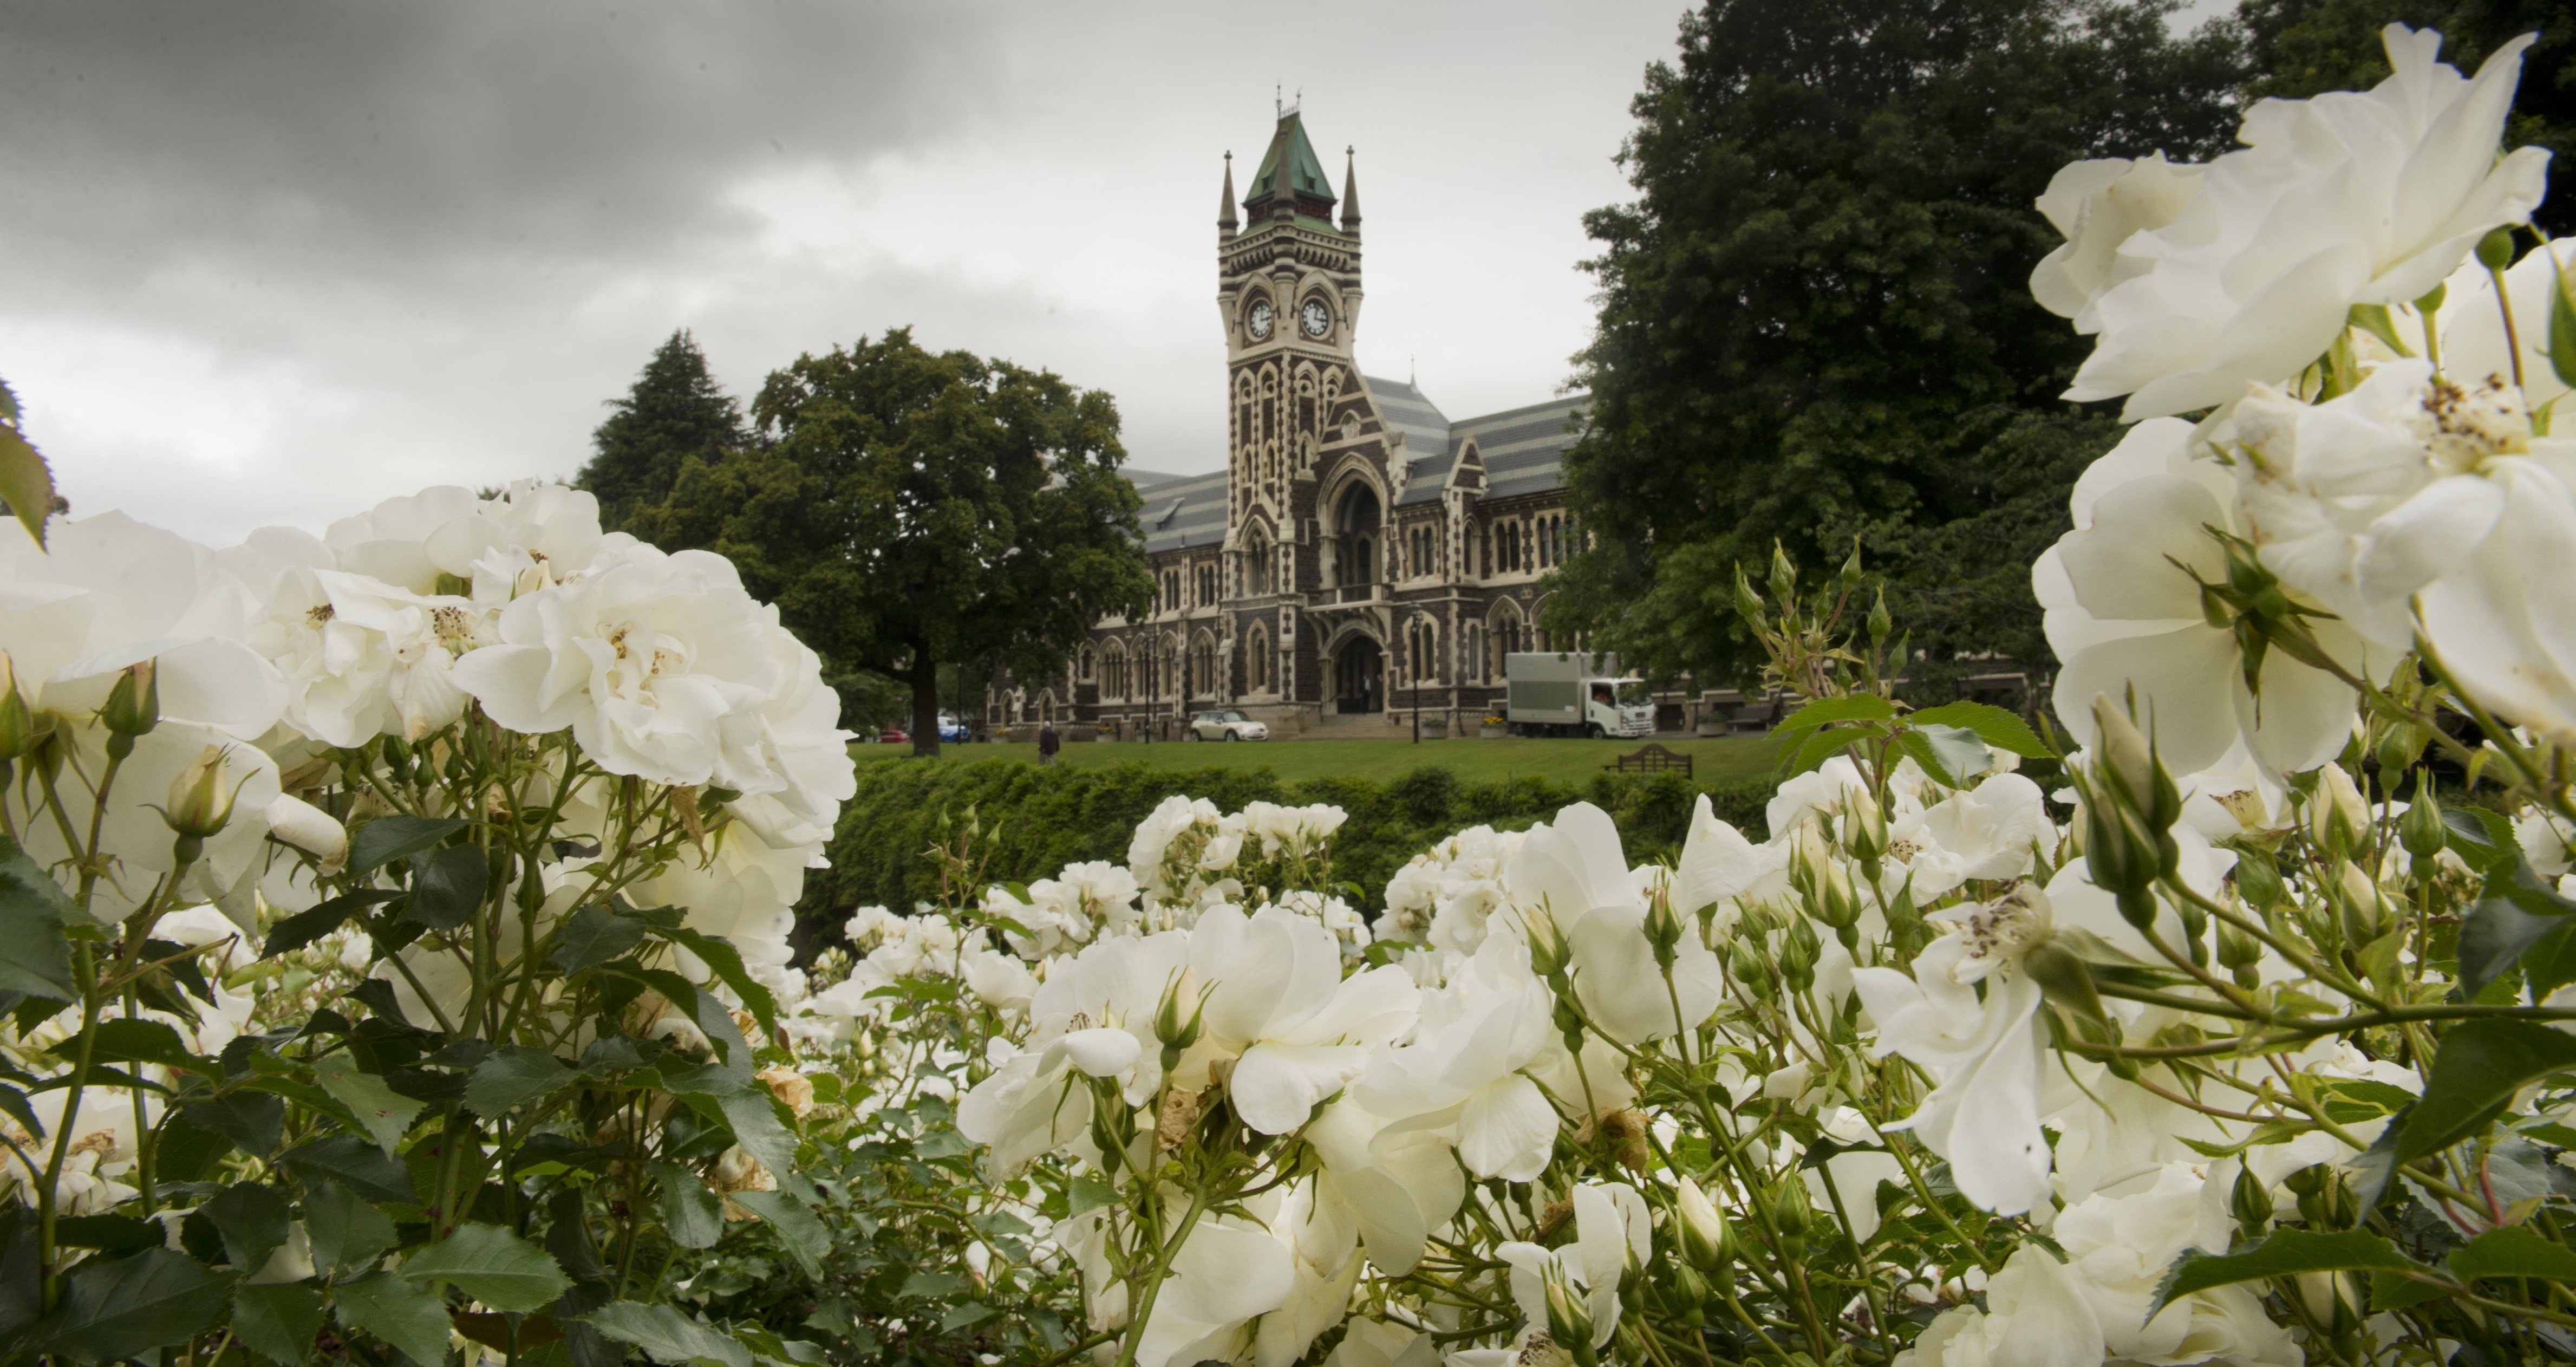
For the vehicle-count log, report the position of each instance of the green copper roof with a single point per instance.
(1306, 172)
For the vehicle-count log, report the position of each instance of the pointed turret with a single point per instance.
(1292, 182)
(1226, 222)
(1350, 192)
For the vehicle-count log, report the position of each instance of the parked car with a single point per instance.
(1224, 724)
(954, 731)
(894, 735)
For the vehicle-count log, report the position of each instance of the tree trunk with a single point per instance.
(925, 704)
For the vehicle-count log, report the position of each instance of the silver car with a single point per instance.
(1224, 724)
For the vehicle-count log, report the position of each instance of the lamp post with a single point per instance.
(1413, 667)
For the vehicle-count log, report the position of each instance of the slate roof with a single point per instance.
(1523, 448)
(1184, 511)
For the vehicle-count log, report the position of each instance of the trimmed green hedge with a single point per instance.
(1037, 820)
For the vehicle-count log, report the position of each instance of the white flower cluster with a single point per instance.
(2375, 472)
(1447, 1065)
(260, 658)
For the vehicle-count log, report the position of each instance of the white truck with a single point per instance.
(1569, 693)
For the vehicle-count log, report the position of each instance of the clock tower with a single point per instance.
(1288, 297)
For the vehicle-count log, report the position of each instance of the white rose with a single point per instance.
(2097, 206)
(660, 664)
(2348, 198)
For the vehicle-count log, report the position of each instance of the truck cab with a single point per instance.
(1568, 693)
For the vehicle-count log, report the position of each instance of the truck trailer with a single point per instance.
(1570, 693)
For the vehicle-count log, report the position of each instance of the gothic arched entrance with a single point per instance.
(1359, 677)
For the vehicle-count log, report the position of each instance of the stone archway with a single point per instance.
(1359, 676)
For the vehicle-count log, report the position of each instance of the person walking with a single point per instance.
(1048, 742)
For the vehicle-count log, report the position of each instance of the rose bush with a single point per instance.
(398, 967)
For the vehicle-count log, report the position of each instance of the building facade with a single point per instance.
(1362, 557)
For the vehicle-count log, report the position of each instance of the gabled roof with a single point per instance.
(1289, 148)
(1523, 449)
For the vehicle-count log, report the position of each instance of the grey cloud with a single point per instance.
(273, 260)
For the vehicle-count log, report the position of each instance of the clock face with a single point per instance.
(1316, 319)
(1258, 320)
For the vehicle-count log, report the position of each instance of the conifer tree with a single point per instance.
(674, 412)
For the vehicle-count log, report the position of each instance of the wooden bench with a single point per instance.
(1654, 759)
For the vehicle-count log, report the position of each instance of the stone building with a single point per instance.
(1362, 555)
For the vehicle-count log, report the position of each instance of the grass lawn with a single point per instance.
(1562, 761)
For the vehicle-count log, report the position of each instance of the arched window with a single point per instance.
(1257, 660)
(1203, 682)
(1082, 665)
(1422, 651)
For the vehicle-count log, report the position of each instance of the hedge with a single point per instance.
(1034, 820)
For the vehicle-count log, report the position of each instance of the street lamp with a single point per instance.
(1413, 666)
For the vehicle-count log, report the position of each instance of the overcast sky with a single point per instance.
(271, 262)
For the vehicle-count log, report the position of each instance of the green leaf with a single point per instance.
(1993, 725)
(114, 1233)
(2483, 840)
(400, 1313)
(278, 1320)
(721, 956)
(252, 1220)
(2287, 1253)
(511, 1076)
(1087, 1192)
(930, 1285)
(1851, 707)
(447, 885)
(2562, 328)
(594, 935)
(1821, 746)
(2514, 1251)
(127, 1040)
(1951, 754)
(691, 1214)
(386, 1113)
(2516, 906)
(747, 1106)
(2396, 1291)
(13, 1103)
(26, 482)
(125, 1307)
(2477, 1068)
(2550, 963)
(388, 838)
(305, 927)
(252, 1120)
(798, 1229)
(666, 1335)
(345, 1158)
(492, 1265)
(2493, 938)
(346, 1233)
(35, 956)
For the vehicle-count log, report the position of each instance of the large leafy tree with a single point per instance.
(2307, 47)
(675, 413)
(907, 509)
(1816, 322)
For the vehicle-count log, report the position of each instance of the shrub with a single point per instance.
(1033, 821)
